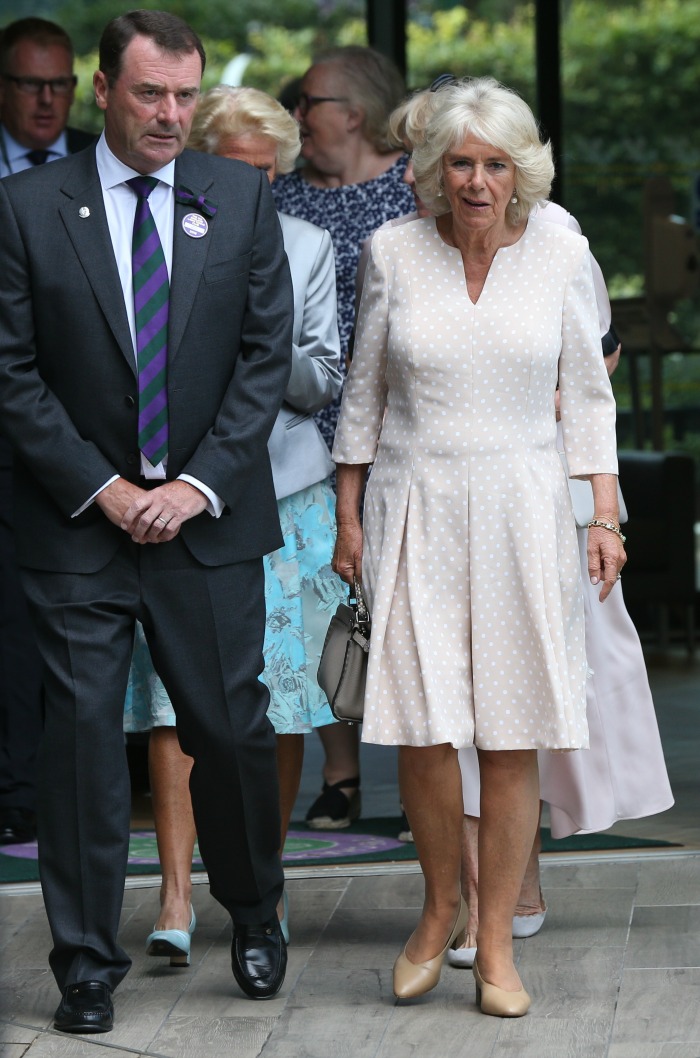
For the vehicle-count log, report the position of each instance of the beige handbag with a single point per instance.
(342, 671)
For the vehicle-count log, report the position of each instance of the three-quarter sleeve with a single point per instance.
(587, 402)
(364, 397)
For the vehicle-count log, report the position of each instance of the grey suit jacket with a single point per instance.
(68, 387)
(299, 455)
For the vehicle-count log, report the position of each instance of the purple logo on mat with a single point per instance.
(26, 851)
(330, 844)
(143, 849)
(300, 845)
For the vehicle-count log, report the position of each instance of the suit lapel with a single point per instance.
(189, 254)
(83, 214)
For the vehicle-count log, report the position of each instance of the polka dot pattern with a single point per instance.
(470, 554)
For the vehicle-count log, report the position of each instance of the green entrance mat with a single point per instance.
(366, 841)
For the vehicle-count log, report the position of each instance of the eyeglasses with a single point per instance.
(34, 86)
(306, 102)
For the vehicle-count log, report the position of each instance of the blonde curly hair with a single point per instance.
(497, 115)
(225, 112)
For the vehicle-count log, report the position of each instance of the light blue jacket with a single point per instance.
(298, 453)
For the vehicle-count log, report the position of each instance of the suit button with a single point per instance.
(131, 459)
(130, 402)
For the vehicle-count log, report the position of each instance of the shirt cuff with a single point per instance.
(215, 504)
(92, 498)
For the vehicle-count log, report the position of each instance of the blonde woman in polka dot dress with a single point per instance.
(469, 555)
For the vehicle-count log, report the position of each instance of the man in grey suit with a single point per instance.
(143, 491)
(37, 85)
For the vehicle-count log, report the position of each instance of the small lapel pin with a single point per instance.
(194, 225)
(83, 212)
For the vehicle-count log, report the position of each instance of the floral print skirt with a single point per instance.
(301, 595)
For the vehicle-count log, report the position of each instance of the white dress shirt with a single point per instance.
(120, 206)
(13, 156)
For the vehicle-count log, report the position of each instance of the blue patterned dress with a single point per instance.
(301, 590)
(301, 595)
(350, 213)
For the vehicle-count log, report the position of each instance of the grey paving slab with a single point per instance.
(552, 1037)
(57, 1045)
(294, 882)
(658, 1006)
(213, 1037)
(29, 997)
(338, 1000)
(654, 1050)
(309, 913)
(669, 882)
(385, 892)
(28, 944)
(585, 917)
(16, 1034)
(581, 981)
(340, 1032)
(140, 1009)
(371, 938)
(437, 1026)
(587, 875)
(13, 913)
(341, 988)
(665, 936)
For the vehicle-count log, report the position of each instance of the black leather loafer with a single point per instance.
(86, 1007)
(259, 958)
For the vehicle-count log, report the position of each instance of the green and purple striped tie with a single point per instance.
(151, 292)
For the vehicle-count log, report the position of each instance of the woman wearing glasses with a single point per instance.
(351, 182)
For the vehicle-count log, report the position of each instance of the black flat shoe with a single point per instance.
(259, 958)
(333, 809)
(86, 1007)
(16, 826)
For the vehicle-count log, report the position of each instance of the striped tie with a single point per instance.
(151, 292)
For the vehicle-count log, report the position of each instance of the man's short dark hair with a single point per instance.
(168, 31)
(38, 30)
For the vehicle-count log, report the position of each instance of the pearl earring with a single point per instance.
(514, 199)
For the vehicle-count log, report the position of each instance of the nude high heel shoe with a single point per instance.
(414, 979)
(496, 1001)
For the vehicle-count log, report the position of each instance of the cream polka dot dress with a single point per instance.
(470, 555)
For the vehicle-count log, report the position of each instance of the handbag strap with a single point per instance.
(360, 608)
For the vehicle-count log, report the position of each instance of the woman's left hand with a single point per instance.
(606, 557)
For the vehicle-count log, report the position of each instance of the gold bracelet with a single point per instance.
(598, 523)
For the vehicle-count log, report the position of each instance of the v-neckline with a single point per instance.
(458, 252)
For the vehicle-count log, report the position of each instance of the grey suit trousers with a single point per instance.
(204, 627)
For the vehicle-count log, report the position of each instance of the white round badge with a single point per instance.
(195, 225)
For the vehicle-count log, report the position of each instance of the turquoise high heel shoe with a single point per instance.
(284, 921)
(172, 942)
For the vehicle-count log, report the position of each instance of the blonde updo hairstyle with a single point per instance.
(225, 112)
(490, 112)
(407, 124)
